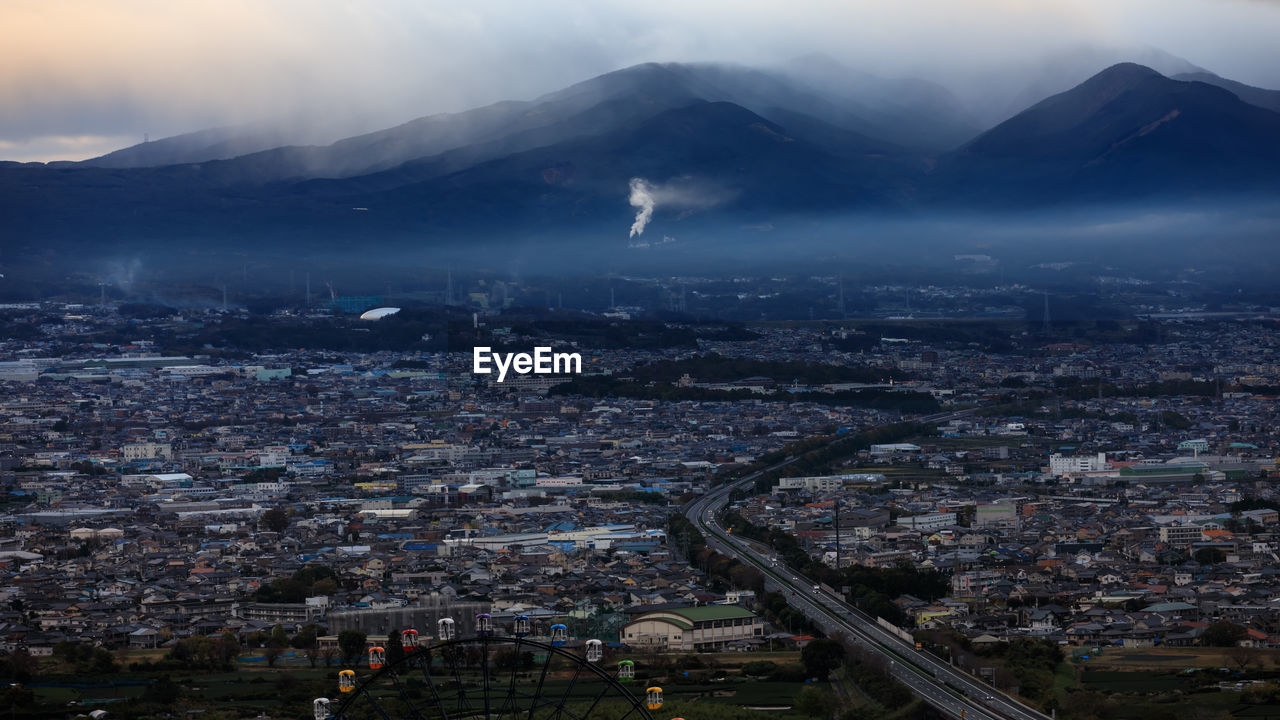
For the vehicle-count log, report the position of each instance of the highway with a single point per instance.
(946, 688)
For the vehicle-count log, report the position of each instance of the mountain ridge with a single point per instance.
(562, 164)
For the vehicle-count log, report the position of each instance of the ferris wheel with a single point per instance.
(490, 676)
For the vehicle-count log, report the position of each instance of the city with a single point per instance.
(1089, 501)
(820, 360)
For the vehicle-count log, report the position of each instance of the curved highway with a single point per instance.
(952, 691)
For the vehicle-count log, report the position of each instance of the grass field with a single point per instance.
(1132, 682)
(1170, 658)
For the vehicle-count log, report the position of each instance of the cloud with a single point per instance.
(76, 68)
(42, 148)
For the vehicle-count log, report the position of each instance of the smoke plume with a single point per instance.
(685, 193)
(642, 198)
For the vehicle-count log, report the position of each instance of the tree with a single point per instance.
(327, 653)
(395, 651)
(1209, 556)
(272, 653)
(275, 519)
(279, 638)
(102, 662)
(816, 702)
(227, 647)
(16, 696)
(164, 691)
(1222, 634)
(306, 637)
(21, 666)
(759, 668)
(821, 656)
(1242, 657)
(351, 644)
(65, 651)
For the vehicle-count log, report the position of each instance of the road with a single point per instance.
(948, 689)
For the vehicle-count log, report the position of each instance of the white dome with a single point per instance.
(379, 313)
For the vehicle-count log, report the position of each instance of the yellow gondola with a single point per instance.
(653, 698)
(346, 681)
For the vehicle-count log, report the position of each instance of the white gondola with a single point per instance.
(409, 640)
(484, 624)
(521, 626)
(595, 651)
(320, 708)
(559, 634)
(445, 627)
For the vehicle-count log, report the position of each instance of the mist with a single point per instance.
(81, 78)
(1221, 245)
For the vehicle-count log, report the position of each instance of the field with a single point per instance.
(705, 685)
(1169, 659)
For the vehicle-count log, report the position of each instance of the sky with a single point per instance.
(79, 78)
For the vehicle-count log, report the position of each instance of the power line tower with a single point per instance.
(1048, 326)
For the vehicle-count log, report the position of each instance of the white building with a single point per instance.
(146, 451)
(824, 483)
(1060, 465)
(558, 482)
(931, 521)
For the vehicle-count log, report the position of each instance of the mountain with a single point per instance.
(1003, 93)
(1263, 98)
(596, 106)
(710, 157)
(722, 147)
(1128, 132)
(220, 143)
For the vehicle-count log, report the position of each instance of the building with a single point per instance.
(825, 483)
(709, 627)
(146, 451)
(1181, 534)
(276, 613)
(1060, 465)
(894, 448)
(928, 522)
(994, 514)
(1196, 446)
